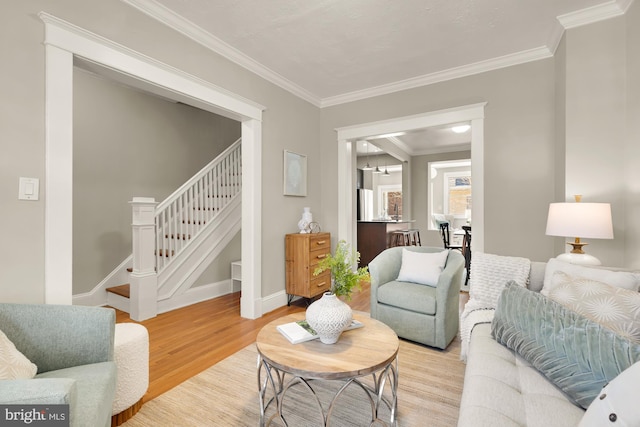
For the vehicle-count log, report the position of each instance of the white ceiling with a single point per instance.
(435, 139)
(334, 51)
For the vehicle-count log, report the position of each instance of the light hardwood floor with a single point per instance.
(185, 342)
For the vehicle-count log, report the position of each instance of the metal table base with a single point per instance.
(275, 383)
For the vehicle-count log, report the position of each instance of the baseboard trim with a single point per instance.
(196, 295)
(97, 296)
(274, 301)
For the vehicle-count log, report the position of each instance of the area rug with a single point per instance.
(429, 391)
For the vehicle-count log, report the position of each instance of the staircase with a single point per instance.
(176, 240)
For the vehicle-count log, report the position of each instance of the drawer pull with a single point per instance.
(321, 242)
(321, 256)
(321, 284)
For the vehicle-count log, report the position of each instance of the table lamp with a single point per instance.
(580, 220)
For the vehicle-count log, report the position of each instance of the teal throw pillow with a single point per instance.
(577, 354)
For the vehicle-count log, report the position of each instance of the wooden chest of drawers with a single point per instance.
(303, 252)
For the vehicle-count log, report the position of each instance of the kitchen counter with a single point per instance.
(375, 236)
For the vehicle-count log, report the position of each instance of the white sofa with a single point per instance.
(502, 389)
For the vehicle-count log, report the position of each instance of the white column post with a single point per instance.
(144, 280)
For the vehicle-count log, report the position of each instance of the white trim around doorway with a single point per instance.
(347, 137)
(64, 43)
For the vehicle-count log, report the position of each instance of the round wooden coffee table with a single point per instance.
(368, 351)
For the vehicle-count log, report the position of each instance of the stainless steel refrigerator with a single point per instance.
(365, 204)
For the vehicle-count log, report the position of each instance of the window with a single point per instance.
(450, 192)
(457, 194)
(390, 201)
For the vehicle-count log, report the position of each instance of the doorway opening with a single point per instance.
(348, 136)
(450, 193)
(66, 43)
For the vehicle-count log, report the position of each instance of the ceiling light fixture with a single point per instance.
(367, 167)
(387, 135)
(460, 128)
(377, 170)
(386, 171)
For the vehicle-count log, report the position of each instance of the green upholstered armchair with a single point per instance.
(73, 348)
(417, 312)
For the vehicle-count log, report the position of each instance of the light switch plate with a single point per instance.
(29, 189)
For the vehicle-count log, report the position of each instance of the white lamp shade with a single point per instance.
(584, 220)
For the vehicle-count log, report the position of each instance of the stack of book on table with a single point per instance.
(300, 331)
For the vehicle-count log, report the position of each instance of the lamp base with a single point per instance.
(580, 259)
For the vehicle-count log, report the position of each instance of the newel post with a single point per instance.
(144, 280)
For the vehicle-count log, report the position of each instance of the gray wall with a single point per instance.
(127, 143)
(553, 128)
(519, 144)
(631, 151)
(595, 122)
(520, 135)
(559, 170)
(288, 123)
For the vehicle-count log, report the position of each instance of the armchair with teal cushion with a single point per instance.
(73, 348)
(417, 312)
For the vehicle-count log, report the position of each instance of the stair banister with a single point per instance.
(197, 177)
(143, 278)
(163, 231)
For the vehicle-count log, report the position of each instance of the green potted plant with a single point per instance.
(344, 279)
(329, 315)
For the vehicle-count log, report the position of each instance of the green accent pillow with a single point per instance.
(578, 355)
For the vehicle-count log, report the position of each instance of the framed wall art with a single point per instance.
(295, 174)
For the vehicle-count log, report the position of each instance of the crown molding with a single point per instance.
(597, 13)
(441, 76)
(187, 28)
(586, 16)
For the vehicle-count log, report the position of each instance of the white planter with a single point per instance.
(329, 316)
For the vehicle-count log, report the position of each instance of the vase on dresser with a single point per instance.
(329, 316)
(306, 220)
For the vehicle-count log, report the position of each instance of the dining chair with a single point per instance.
(446, 237)
(466, 251)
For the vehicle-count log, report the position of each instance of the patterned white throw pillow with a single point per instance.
(615, 308)
(620, 279)
(13, 364)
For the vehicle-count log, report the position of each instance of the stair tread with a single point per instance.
(122, 290)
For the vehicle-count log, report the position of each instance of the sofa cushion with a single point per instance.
(95, 387)
(39, 391)
(13, 364)
(621, 279)
(615, 308)
(617, 403)
(501, 389)
(409, 296)
(422, 267)
(578, 355)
